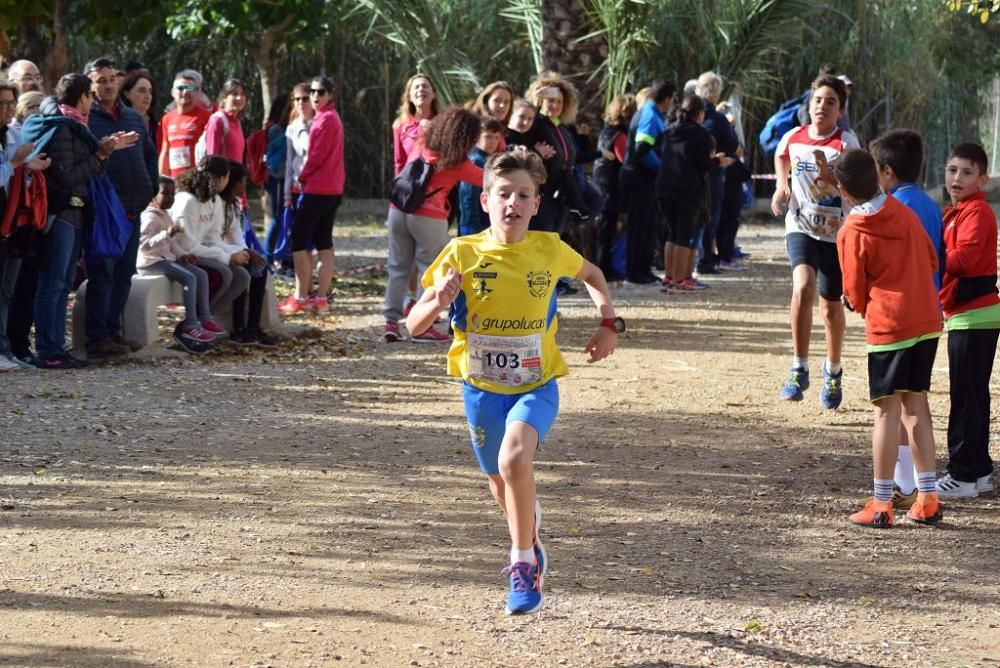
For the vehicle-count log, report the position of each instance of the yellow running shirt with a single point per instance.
(505, 316)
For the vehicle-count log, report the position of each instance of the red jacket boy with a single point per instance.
(970, 242)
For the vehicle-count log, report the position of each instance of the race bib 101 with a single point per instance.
(818, 220)
(506, 360)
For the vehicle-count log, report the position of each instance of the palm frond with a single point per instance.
(528, 15)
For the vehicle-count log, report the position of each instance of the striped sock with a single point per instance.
(883, 490)
(925, 482)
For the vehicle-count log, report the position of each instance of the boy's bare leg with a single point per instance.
(885, 433)
(916, 415)
(835, 322)
(499, 491)
(517, 468)
(801, 311)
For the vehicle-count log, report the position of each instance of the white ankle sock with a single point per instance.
(904, 473)
(800, 363)
(831, 368)
(516, 555)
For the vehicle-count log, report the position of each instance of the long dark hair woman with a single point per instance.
(139, 92)
(61, 132)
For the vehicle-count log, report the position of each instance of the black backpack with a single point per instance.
(409, 190)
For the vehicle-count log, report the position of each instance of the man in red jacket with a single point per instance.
(972, 318)
(902, 327)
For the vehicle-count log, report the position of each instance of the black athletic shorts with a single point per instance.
(821, 256)
(314, 222)
(906, 370)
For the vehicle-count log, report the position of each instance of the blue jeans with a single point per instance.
(9, 267)
(56, 271)
(108, 284)
(276, 192)
(706, 240)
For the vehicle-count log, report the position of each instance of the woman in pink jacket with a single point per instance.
(322, 179)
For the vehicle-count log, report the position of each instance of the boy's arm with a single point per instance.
(437, 297)
(603, 341)
(782, 169)
(972, 237)
(855, 285)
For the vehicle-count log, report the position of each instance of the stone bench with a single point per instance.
(140, 321)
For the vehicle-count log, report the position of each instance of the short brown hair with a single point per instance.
(901, 149)
(838, 86)
(516, 159)
(6, 85)
(857, 174)
(491, 124)
(974, 153)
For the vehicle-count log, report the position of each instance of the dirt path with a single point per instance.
(319, 506)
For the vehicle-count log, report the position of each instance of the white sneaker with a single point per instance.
(948, 486)
(984, 485)
(8, 365)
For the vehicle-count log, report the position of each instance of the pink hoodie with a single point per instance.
(323, 173)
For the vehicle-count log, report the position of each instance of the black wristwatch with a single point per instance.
(617, 325)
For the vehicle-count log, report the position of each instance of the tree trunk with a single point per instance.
(563, 23)
(59, 62)
(265, 49)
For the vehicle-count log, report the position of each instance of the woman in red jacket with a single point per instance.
(418, 237)
(322, 180)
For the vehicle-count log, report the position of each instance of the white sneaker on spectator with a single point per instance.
(984, 485)
(7, 364)
(948, 486)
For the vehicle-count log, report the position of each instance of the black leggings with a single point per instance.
(249, 318)
(314, 222)
(680, 215)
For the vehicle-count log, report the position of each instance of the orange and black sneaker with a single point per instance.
(875, 514)
(900, 501)
(927, 509)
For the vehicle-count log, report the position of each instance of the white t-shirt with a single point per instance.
(815, 207)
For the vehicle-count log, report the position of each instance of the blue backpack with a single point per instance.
(781, 122)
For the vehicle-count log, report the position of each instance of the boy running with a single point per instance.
(902, 327)
(972, 318)
(814, 215)
(502, 283)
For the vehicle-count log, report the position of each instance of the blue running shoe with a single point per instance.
(525, 597)
(541, 558)
(797, 383)
(831, 393)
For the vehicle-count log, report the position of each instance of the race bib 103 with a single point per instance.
(506, 360)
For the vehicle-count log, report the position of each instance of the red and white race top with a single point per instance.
(815, 207)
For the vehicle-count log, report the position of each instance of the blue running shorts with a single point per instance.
(489, 414)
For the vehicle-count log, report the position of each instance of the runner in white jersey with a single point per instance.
(814, 214)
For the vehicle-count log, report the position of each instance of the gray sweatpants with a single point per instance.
(235, 281)
(411, 239)
(193, 279)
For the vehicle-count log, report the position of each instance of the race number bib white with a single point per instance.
(506, 360)
(179, 157)
(819, 220)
